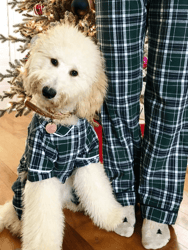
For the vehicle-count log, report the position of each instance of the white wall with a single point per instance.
(8, 50)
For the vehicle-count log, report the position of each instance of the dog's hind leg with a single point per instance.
(43, 219)
(96, 196)
(9, 219)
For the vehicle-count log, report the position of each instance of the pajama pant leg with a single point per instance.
(120, 31)
(165, 143)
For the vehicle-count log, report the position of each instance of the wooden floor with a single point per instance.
(80, 233)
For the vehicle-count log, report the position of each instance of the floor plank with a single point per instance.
(9, 242)
(182, 235)
(73, 240)
(184, 204)
(7, 176)
(182, 247)
(6, 193)
(182, 220)
(11, 148)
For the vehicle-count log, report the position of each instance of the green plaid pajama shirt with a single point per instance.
(152, 169)
(54, 155)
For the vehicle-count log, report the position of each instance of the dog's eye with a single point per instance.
(54, 62)
(73, 72)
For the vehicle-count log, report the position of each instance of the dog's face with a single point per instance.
(65, 71)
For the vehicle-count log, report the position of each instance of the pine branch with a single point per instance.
(13, 81)
(12, 39)
(15, 39)
(3, 38)
(15, 65)
(29, 5)
(19, 85)
(12, 107)
(18, 90)
(26, 5)
(22, 49)
(2, 77)
(8, 94)
(33, 18)
(2, 112)
(20, 112)
(11, 73)
(14, 3)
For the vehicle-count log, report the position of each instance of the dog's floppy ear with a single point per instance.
(88, 106)
(25, 77)
(28, 81)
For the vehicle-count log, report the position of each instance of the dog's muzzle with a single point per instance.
(49, 93)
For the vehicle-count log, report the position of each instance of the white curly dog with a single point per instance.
(60, 168)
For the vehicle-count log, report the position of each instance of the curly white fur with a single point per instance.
(73, 51)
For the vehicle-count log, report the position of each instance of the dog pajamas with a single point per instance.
(54, 155)
(152, 169)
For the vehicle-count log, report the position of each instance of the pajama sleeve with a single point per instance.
(41, 157)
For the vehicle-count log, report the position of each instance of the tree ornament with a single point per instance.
(80, 7)
(38, 9)
(145, 62)
(26, 57)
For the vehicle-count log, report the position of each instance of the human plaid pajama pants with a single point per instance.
(152, 168)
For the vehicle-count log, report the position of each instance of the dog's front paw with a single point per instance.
(110, 220)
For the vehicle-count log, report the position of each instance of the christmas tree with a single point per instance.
(39, 17)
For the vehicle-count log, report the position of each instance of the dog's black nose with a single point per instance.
(48, 92)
